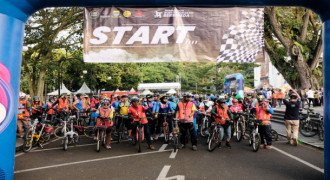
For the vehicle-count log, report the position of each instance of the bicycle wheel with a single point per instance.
(213, 142)
(175, 142)
(239, 131)
(65, 143)
(166, 133)
(120, 137)
(59, 131)
(307, 129)
(140, 138)
(46, 137)
(321, 132)
(256, 142)
(28, 142)
(98, 141)
(89, 131)
(204, 128)
(274, 135)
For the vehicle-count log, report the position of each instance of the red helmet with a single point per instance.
(234, 101)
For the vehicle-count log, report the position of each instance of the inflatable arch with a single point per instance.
(238, 80)
(14, 13)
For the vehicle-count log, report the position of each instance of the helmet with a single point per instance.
(260, 93)
(156, 95)
(21, 95)
(35, 97)
(196, 96)
(163, 97)
(149, 96)
(171, 98)
(238, 96)
(78, 95)
(63, 94)
(261, 98)
(101, 97)
(185, 94)
(51, 98)
(293, 96)
(106, 102)
(212, 97)
(222, 100)
(248, 94)
(234, 100)
(234, 94)
(135, 100)
(124, 96)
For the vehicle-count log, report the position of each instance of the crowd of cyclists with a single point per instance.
(189, 109)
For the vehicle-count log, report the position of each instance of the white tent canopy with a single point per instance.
(159, 86)
(84, 89)
(63, 90)
(145, 92)
(171, 91)
(132, 90)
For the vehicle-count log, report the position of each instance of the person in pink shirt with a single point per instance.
(236, 107)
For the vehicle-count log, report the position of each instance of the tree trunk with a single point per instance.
(304, 72)
(41, 84)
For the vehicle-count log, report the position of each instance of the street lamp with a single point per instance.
(109, 78)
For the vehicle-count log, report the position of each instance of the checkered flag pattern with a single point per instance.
(243, 42)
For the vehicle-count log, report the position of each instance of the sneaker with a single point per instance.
(262, 146)
(289, 142)
(295, 142)
(156, 137)
(269, 147)
(108, 147)
(171, 135)
(181, 146)
(219, 146)
(151, 147)
(151, 138)
(194, 147)
(129, 138)
(95, 138)
(228, 145)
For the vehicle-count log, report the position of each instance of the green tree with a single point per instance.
(293, 39)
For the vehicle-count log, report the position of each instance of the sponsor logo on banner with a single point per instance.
(127, 14)
(139, 13)
(116, 14)
(94, 14)
(172, 13)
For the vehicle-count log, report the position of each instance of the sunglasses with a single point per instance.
(106, 104)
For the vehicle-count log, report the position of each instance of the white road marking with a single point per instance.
(56, 139)
(62, 147)
(163, 173)
(163, 147)
(173, 154)
(86, 161)
(300, 160)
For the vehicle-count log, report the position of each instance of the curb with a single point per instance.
(306, 143)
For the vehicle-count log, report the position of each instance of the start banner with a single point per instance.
(171, 34)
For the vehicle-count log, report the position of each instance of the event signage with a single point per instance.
(172, 34)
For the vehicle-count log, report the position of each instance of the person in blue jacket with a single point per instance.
(165, 110)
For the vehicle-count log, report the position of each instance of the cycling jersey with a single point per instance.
(237, 108)
(164, 108)
(123, 107)
(139, 112)
(156, 107)
(150, 105)
(79, 105)
(34, 105)
(115, 105)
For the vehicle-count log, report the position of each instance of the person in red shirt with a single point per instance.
(236, 107)
(137, 111)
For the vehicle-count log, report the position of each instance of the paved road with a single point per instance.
(123, 162)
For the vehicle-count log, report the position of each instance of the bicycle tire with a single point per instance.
(47, 137)
(65, 143)
(239, 133)
(89, 131)
(27, 144)
(306, 129)
(59, 133)
(256, 142)
(140, 139)
(120, 136)
(321, 133)
(175, 142)
(212, 143)
(166, 133)
(204, 128)
(274, 135)
(98, 141)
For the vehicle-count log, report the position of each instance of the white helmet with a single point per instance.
(22, 95)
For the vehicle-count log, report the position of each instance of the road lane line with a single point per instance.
(86, 161)
(173, 154)
(163, 173)
(163, 147)
(300, 160)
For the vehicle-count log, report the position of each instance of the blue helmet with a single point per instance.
(212, 97)
(171, 98)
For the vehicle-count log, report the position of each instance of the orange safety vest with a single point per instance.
(63, 104)
(50, 111)
(105, 112)
(23, 113)
(138, 112)
(262, 114)
(85, 104)
(36, 105)
(185, 111)
(223, 113)
(280, 95)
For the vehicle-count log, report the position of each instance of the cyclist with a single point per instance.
(23, 114)
(185, 112)
(123, 107)
(138, 111)
(264, 112)
(78, 104)
(155, 110)
(63, 103)
(48, 107)
(36, 108)
(165, 107)
(150, 104)
(95, 104)
(105, 115)
(222, 115)
(85, 101)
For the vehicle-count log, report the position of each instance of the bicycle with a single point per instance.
(237, 128)
(36, 134)
(214, 136)
(139, 137)
(176, 134)
(100, 135)
(121, 128)
(165, 126)
(69, 137)
(88, 131)
(310, 127)
(255, 139)
(204, 127)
